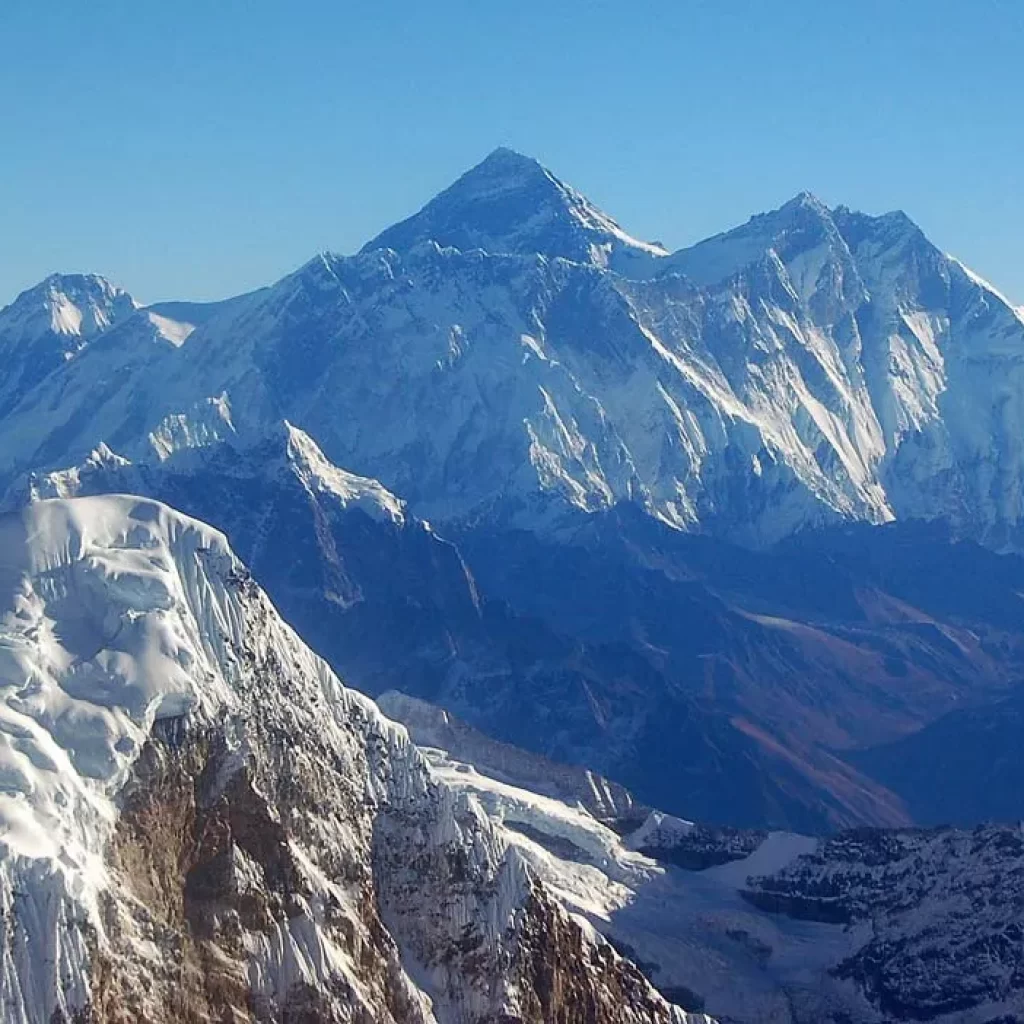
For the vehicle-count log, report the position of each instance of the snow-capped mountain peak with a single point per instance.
(72, 305)
(480, 359)
(53, 322)
(510, 203)
(795, 229)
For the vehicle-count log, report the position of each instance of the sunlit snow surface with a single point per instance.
(107, 620)
(509, 351)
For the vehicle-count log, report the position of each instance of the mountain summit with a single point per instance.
(510, 203)
(71, 305)
(51, 323)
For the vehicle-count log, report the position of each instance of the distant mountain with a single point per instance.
(510, 203)
(52, 323)
(502, 356)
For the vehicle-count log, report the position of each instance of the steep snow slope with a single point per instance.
(372, 589)
(197, 821)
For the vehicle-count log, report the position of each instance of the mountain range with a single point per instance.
(813, 366)
(731, 532)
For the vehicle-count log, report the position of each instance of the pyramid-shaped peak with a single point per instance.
(308, 462)
(804, 210)
(805, 201)
(506, 159)
(505, 170)
(511, 203)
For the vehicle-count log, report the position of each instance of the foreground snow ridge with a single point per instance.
(198, 821)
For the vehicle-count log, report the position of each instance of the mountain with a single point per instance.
(594, 436)
(739, 687)
(811, 367)
(200, 822)
(51, 323)
(375, 591)
(645, 547)
(961, 768)
(927, 914)
(432, 727)
(509, 203)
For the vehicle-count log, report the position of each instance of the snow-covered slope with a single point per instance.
(431, 726)
(501, 355)
(197, 821)
(371, 588)
(75, 307)
(933, 918)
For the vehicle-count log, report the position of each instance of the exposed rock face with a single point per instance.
(690, 845)
(936, 917)
(201, 823)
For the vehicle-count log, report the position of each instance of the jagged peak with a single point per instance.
(805, 200)
(73, 305)
(805, 210)
(511, 203)
(318, 473)
(888, 229)
(802, 223)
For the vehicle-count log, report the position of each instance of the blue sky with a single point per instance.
(196, 149)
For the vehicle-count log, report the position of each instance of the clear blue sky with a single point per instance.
(195, 149)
